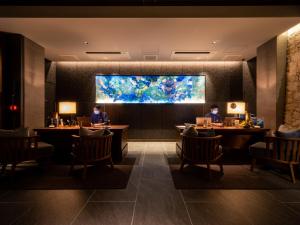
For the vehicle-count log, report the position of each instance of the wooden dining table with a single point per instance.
(235, 140)
(61, 139)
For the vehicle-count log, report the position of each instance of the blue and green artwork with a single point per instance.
(150, 89)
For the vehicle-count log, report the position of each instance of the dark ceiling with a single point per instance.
(150, 2)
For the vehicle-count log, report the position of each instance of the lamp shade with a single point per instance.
(236, 107)
(67, 107)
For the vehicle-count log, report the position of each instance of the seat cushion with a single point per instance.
(44, 149)
(190, 131)
(94, 133)
(20, 132)
(209, 133)
(107, 132)
(286, 132)
(259, 149)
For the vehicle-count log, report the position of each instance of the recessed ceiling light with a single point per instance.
(214, 42)
(86, 43)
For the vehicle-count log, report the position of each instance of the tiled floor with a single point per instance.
(150, 198)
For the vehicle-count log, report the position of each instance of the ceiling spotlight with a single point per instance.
(214, 42)
(86, 43)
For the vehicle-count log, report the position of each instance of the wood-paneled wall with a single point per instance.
(270, 82)
(11, 46)
(33, 85)
(76, 81)
(22, 82)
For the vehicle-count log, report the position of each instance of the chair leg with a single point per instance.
(253, 164)
(208, 171)
(292, 174)
(13, 168)
(84, 171)
(111, 163)
(221, 168)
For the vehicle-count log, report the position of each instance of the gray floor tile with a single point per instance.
(203, 196)
(156, 172)
(215, 214)
(260, 208)
(295, 207)
(286, 195)
(55, 207)
(10, 212)
(151, 198)
(96, 213)
(128, 194)
(44, 195)
(135, 175)
(159, 203)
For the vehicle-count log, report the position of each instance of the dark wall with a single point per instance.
(75, 81)
(11, 46)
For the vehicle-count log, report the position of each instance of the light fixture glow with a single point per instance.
(236, 107)
(67, 107)
(294, 29)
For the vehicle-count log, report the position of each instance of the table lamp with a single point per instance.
(67, 108)
(236, 108)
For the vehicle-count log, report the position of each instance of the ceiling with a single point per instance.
(148, 38)
(147, 2)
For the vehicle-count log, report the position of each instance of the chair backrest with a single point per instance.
(285, 149)
(84, 121)
(17, 149)
(200, 149)
(94, 148)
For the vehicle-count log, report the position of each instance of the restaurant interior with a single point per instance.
(149, 112)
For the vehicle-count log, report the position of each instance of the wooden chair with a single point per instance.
(201, 150)
(90, 149)
(283, 151)
(14, 150)
(83, 121)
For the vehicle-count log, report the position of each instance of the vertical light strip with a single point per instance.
(294, 29)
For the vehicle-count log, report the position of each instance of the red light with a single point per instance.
(13, 108)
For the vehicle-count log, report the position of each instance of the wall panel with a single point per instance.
(76, 81)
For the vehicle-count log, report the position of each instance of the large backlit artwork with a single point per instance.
(150, 89)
